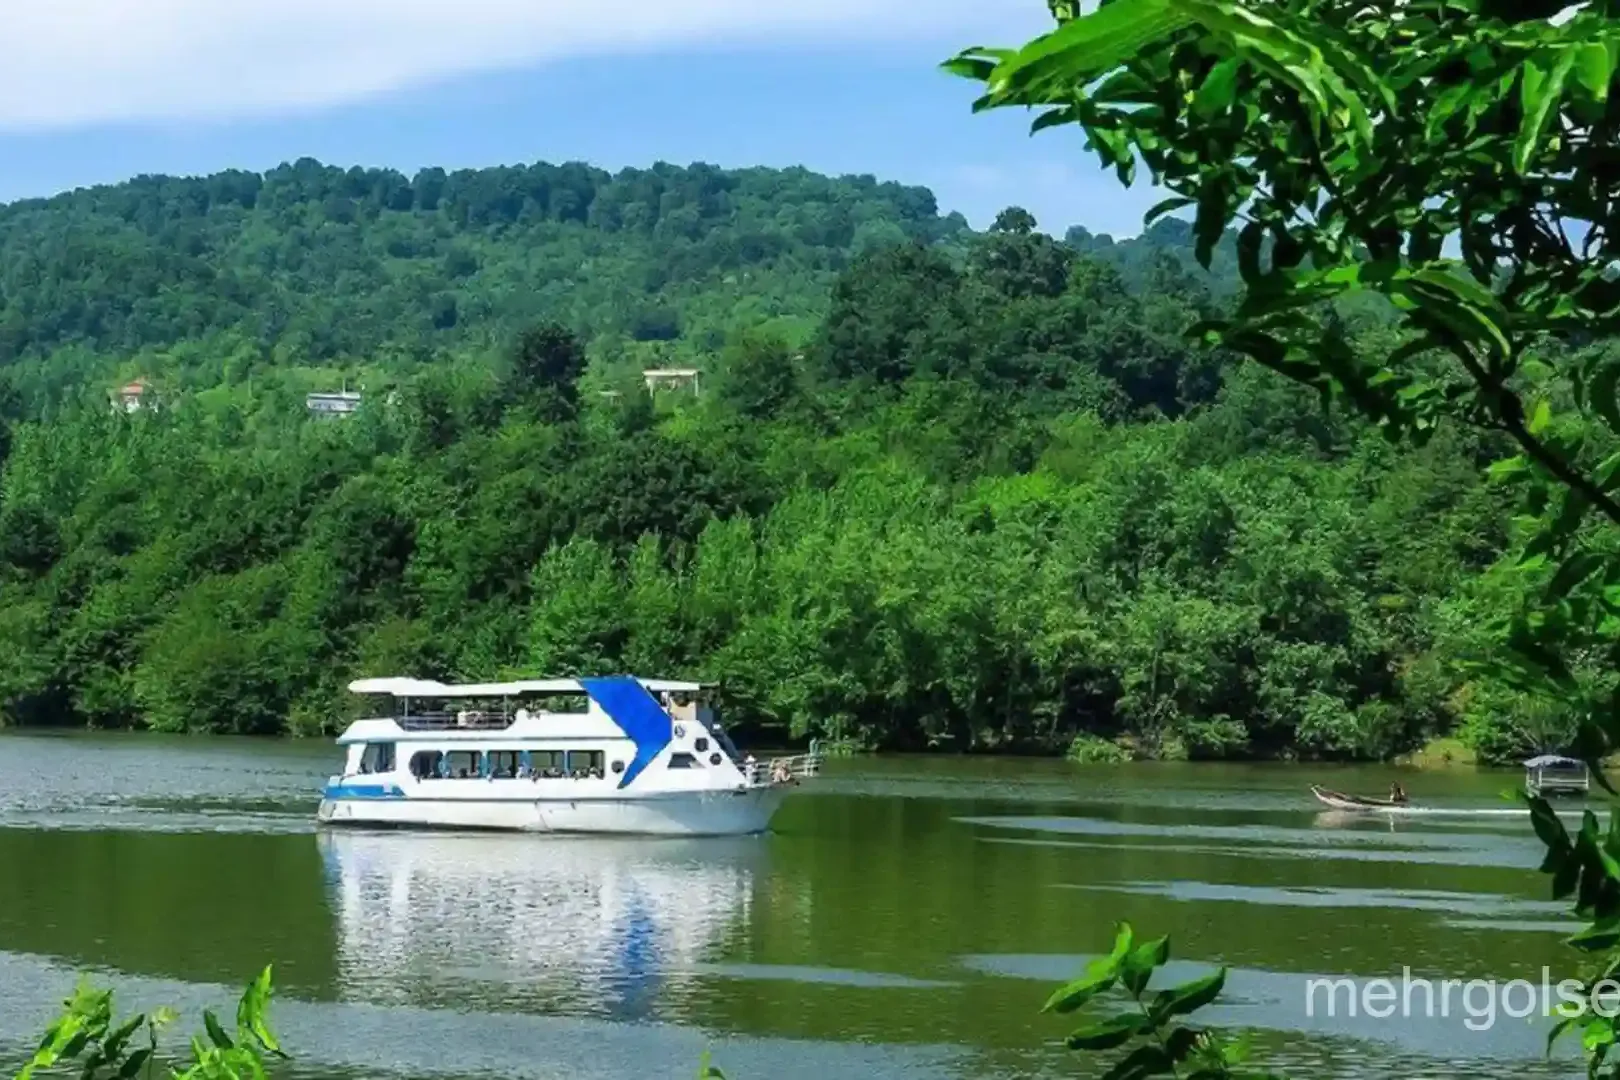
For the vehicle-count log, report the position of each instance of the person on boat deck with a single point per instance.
(1396, 794)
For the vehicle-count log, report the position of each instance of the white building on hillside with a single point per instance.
(343, 403)
(671, 379)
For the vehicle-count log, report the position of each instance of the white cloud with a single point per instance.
(67, 63)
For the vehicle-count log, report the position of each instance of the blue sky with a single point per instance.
(837, 85)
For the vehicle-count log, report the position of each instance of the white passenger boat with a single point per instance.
(609, 755)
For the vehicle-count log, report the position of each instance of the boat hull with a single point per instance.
(1340, 801)
(694, 813)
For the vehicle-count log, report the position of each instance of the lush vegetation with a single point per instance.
(1450, 158)
(88, 1037)
(1352, 140)
(939, 489)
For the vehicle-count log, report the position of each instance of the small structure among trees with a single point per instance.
(343, 403)
(672, 379)
(132, 397)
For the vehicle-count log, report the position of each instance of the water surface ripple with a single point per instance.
(906, 918)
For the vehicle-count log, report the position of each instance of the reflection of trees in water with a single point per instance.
(574, 925)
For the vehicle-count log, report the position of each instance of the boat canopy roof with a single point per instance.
(1554, 761)
(405, 687)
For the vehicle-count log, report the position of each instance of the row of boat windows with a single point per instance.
(512, 764)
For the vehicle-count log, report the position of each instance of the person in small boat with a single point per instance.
(1397, 794)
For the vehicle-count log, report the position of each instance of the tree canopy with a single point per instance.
(1449, 160)
(933, 488)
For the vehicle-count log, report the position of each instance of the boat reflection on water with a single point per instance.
(573, 926)
(1350, 819)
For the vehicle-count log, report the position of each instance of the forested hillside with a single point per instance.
(935, 488)
(314, 265)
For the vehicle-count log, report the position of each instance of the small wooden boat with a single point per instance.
(1340, 801)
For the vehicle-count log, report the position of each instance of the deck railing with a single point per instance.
(463, 720)
(1550, 781)
(782, 770)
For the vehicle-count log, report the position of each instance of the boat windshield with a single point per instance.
(724, 740)
(711, 722)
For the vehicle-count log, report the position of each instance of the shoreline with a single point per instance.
(1437, 756)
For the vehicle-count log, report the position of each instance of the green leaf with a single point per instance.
(253, 1010)
(1151, 954)
(1083, 48)
(1188, 997)
(1559, 1029)
(1540, 88)
(1124, 938)
(121, 1035)
(1599, 937)
(1137, 966)
(1181, 1043)
(1100, 976)
(1115, 1031)
(1068, 998)
(1509, 468)
(1435, 297)
(1567, 876)
(1594, 67)
(75, 1046)
(1540, 417)
(133, 1064)
(1214, 211)
(1165, 206)
(976, 63)
(1142, 1062)
(1601, 393)
(1054, 118)
(1286, 251)
(1218, 90)
(1574, 570)
(1250, 239)
(93, 1063)
(215, 1031)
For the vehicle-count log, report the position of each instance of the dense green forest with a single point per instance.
(935, 488)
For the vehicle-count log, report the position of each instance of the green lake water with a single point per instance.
(905, 918)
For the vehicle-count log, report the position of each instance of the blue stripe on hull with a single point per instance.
(390, 793)
(638, 715)
(363, 791)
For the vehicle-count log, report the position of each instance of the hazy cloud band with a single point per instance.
(70, 63)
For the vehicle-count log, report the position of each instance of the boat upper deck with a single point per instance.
(406, 688)
(527, 709)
